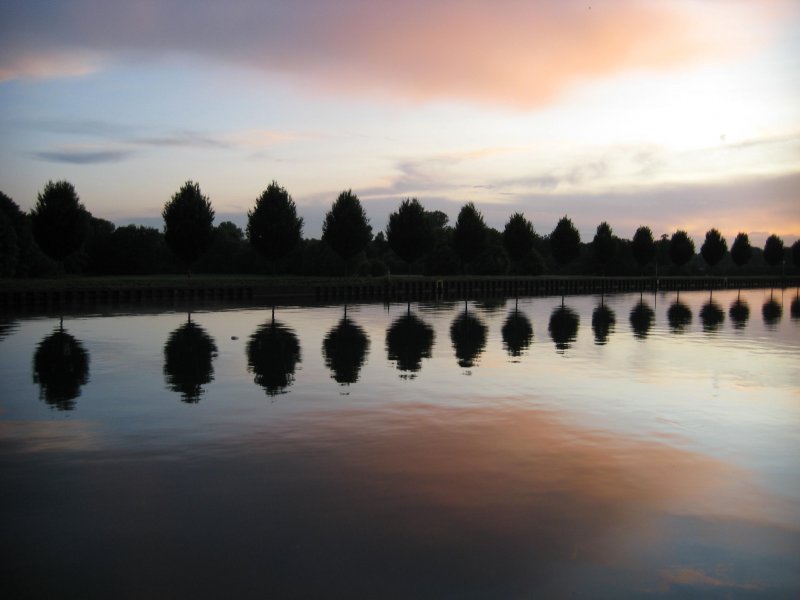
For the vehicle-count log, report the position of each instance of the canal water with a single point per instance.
(620, 447)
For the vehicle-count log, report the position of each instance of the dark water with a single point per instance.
(625, 448)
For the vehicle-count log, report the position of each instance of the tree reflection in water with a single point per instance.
(7, 328)
(603, 321)
(563, 327)
(60, 367)
(344, 349)
(642, 318)
(188, 355)
(517, 333)
(712, 316)
(468, 335)
(679, 317)
(739, 313)
(273, 352)
(409, 339)
(772, 311)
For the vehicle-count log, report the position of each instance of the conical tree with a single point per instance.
(643, 247)
(346, 228)
(188, 223)
(273, 227)
(410, 232)
(741, 251)
(773, 250)
(681, 248)
(714, 248)
(469, 233)
(604, 245)
(59, 221)
(518, 237)
(565, 241)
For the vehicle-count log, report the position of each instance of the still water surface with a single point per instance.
(607, 448)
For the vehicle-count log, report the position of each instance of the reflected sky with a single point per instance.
(662, 465)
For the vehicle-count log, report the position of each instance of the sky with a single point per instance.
(681, 114)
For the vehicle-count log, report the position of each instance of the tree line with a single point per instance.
(60, 235)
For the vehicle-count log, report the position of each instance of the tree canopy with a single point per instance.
(741, 251)
(714, 247)
(188, 223)
(518, 237)
(565, 241)
(60, 222)
(604, 244)
(410, 231)
(273, 227)
(773, 250)
(681, 248)
(469, 233)
(643, 247)
(346, 228)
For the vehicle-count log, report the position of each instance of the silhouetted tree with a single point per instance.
(714, 248)
(518, 237)
(468, 335)
(137, 250)
(795, 308)
(741, 251)
(643, 247)
(273, 227)
(60, 223)
(679, 317)
(469, 233)
(772, 311)
(603, 321)
(410, 231)
(409, 339)
(796, 253)
(565, 241)
(739, 313)
(712, 316)
(563, 327)
(27, 258)
(188, 223)
(273, 352)
(517, 333)
(604, 245)
(642, 318)
(188, 355)
(9, 247)
(345, 349)
(773, 250)
(681, 248)
(346, 228)
(60, 367)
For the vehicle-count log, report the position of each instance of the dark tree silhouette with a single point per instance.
(565, 241)
(517, 333)
(469, 234)
(603, 321)
(741, 251)
(344, 350)
(642, 318)
(795, 308)
(60, 223)
(643, 247)
(60, 367)
(773, 250)
(518, 237)
(410, 231)
(563, 327)
(188, 355)
(711, 316)
(796, 253)
(188, 223)
(681, 248)
(468, 335)
(772, 311)
(604, 245)
(273, 352)
(739, 313)
(714, 248)
(679, 317)
(273, 227)
(346, 228)
(409, 339)
(9, 247)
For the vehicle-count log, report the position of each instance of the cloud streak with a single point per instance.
(519, 53)
(83, 157)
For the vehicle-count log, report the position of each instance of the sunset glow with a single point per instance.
(679, 114)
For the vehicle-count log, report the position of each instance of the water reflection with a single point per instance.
(60, 367)
(711, 316)
(468, 334)
(517, 333)
(188, 355)
(7, 328)
(491, 305)
(739, 313)
(273, 352)
(409, 339)
(344, 350)
(563, 327)
(772, 311)
(679, 316)
(642, 318)
(603, 321)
